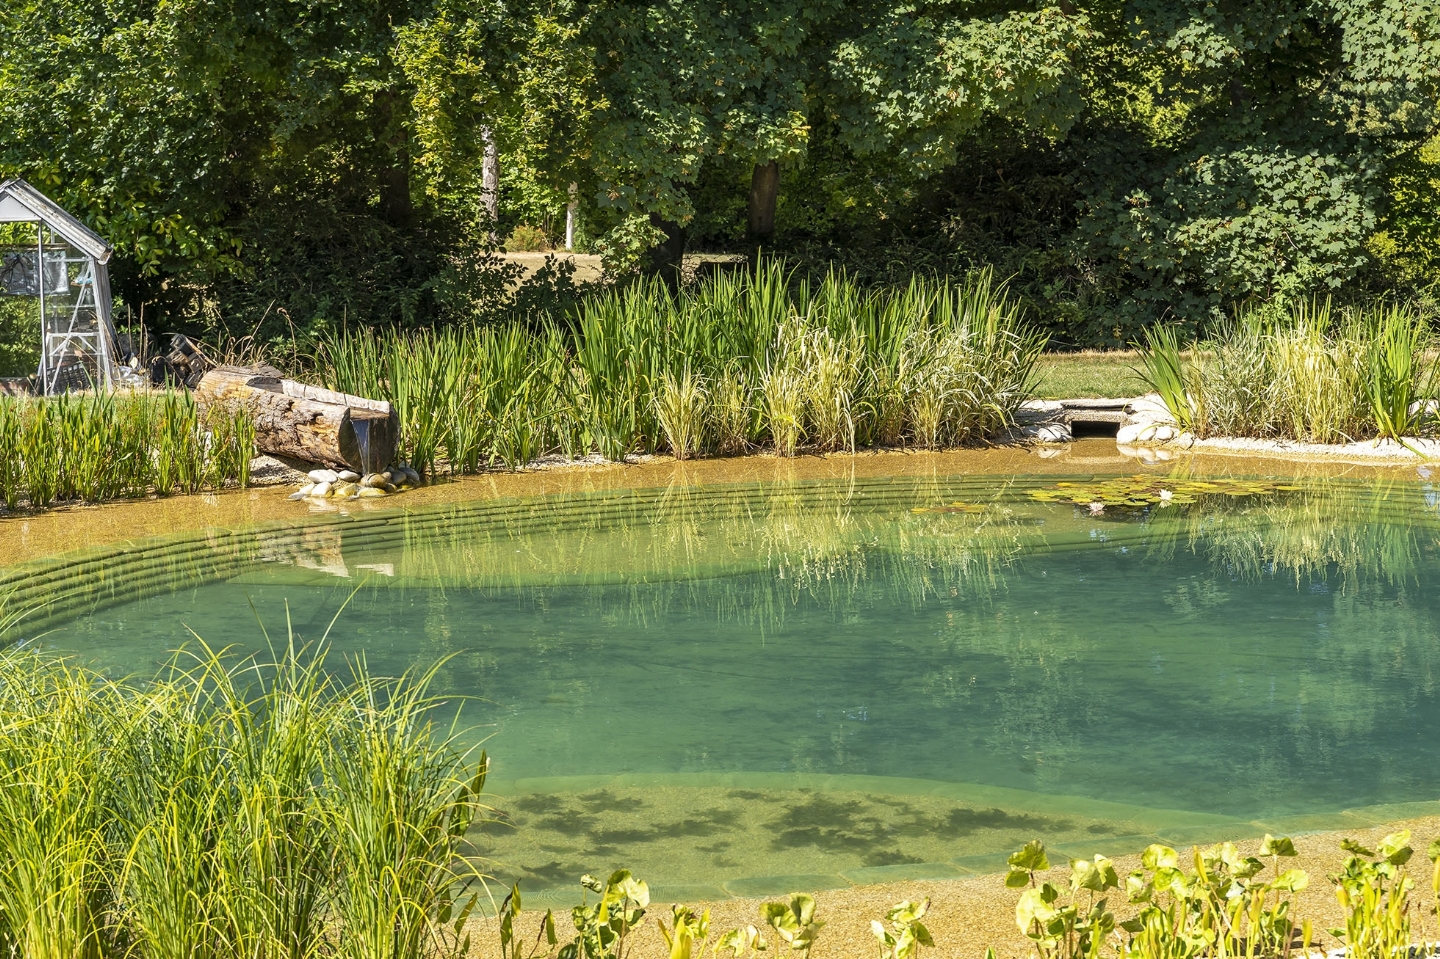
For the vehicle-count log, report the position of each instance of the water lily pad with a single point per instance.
(1145, 491)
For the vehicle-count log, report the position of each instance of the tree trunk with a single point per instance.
(764, 191)
(305, 422)
(667, 258)
(395, 203)
(571, 208)
(490, 182)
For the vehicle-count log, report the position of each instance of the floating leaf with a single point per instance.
(1144, 491)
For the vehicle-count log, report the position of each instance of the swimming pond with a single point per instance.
(757, 687)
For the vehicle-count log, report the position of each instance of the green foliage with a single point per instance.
(602, 930)
(229, 808)
(1408, 243)
(97, 447)
(291, 169)
(1225, 907)
(19, 336)
(605, 929)
(1062, 930)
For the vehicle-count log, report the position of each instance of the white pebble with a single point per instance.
(307, 489)
(323, 476)
(349, 476)
(320, 489)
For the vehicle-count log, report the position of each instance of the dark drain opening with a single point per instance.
(1087, 428)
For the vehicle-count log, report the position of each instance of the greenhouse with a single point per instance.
(50, 257)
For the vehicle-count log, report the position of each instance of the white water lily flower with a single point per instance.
(1097, 507)
(1166, 495)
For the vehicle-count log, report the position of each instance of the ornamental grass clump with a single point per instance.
(1309, 373)
(740, 361)
(229, 808)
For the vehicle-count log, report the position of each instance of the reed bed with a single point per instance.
(94, 447)
(228, 808)
(1311, 373)
(737, 363)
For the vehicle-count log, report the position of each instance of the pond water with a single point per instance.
(746, 688)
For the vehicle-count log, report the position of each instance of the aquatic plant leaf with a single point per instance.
(1034, 910)
(1138, 889)
(1395, 848)
(1096, 876)
(1292, 880)
(1277, 846)
(1030, 857)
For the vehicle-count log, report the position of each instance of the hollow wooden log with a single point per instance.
(305, 422)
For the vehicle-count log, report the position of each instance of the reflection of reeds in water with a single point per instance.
(740, 553)
(749, 553)
(1355, 535)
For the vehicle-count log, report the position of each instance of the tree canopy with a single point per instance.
(300, 164)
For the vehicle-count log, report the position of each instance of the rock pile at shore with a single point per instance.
(347, 484)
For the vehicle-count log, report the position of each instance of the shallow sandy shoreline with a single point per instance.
(967, 915)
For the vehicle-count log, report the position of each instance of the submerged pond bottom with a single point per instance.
(747, 689)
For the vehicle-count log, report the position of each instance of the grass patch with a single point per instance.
(1064, 376)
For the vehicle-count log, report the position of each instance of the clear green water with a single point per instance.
(721, 686)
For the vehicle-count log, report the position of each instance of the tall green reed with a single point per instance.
(740, 360)
(96, 447)
(1162, 370)
(55, 894)
(1400, 370)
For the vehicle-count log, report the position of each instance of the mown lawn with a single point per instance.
(1066, 376)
